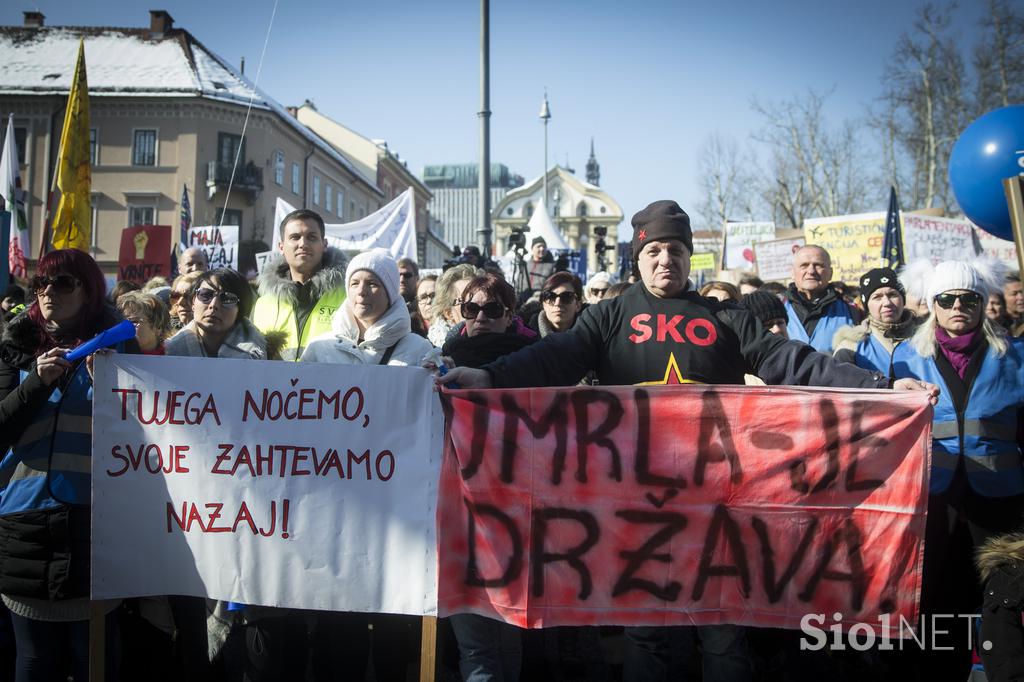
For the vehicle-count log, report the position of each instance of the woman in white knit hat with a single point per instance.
(977, 479)
(372, 326)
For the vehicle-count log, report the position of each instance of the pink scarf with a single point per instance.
(958, 350)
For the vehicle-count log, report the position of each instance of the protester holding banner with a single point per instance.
(301, 289)
(45, 494)
(663, 332)
(221, 302)
(976, 473)
(815, 309)
(150, 317)
(870, 344)
(489, 650)
(446, 312)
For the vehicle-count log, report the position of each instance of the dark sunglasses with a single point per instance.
(426, 297)
(599, 292)
(62, 284)
(227, 299)
(968, 300)
(176, 295)
(493, 310)
(565, 298)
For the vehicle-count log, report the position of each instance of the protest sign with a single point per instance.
(297, 485)
(853, 241)
(220, 243)
(145, 253)
(739, 243)
(262, 258)
(393, 227)
(684, 505)
(774, 259)
(936, 239)
(702, 261)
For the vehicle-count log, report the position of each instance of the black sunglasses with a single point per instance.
(492, 309)
(565, 298)
(227, 299)
(62, 284)
(969, 300)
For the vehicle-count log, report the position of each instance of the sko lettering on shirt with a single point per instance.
(697, 331)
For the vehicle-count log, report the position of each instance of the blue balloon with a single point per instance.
(989, 150)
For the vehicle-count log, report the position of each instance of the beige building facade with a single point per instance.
(166, 113)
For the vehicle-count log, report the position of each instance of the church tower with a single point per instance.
(593, 169)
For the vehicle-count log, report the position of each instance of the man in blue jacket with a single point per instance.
(816, 311)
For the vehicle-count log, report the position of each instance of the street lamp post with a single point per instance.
(484, 231)
(545, 115)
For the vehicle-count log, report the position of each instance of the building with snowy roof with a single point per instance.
(166, 112)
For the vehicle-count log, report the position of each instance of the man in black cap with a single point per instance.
(540, 266)
(871, 343)
(661, 331)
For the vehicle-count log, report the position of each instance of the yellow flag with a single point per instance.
(72, 225)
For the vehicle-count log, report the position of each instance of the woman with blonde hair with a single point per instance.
(977, 479)
(446, 314)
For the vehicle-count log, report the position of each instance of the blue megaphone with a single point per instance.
(121, 331)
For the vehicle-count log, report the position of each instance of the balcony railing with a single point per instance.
(248, 178)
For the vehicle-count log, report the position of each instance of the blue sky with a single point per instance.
(648, 80)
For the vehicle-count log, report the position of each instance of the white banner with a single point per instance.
(281, 484)
(393, 227)
(739, 243)
(939, 239)
(775, 258)
(219, 243)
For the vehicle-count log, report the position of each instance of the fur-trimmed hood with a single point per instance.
(275, 279)
(848, 337)
(998, 552)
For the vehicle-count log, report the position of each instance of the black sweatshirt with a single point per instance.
(641, 338)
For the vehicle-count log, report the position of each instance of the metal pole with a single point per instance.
(484, 231)
(546, 204)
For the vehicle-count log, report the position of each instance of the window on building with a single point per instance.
(144, 148)
(279, 167)
(328, 197)
(387, 190)
(581, 210)
(295, 178)
(528, 210)
(341, 204)
(232, 216)
(230, 147)
(362, 212)
(94, 146)
(352, 208)
(316, 190)
(141, 215)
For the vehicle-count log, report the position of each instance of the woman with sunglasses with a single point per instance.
(976, 474)
(488, 649)
(561, 300)
(221, 301)
(181, 306)
(46, 438)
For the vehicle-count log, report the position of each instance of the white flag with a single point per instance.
(13, 196)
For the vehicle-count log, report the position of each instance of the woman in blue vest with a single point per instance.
(46, 435)
(977, 480)
(871, 343)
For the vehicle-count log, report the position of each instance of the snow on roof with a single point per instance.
(124, 62)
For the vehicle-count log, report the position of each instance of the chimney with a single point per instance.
(34, 19)
(294, 111)
(160, 23)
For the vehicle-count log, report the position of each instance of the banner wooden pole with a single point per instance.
(97, 641)
(1015, 202)
(428, 648)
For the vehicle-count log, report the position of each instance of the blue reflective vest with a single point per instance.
(985, 436)
(51, 463)
(836, 316)
(872, 355)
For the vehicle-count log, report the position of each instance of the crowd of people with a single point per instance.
(948, 330)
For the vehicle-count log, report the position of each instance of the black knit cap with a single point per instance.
(876, 279)
(765, 306)
(538, 240)
(659, 221)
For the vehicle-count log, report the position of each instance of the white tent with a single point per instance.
(541, 226)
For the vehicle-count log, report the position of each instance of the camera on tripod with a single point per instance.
(517, 238)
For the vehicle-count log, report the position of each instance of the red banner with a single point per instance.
(145, 253)
(684, 505)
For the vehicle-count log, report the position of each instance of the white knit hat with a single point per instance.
(981, 275)
(601, 277)
(380, 263)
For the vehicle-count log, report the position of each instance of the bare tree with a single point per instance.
(814, 169)
(999, 58)
(726, 181)
(926, 103)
